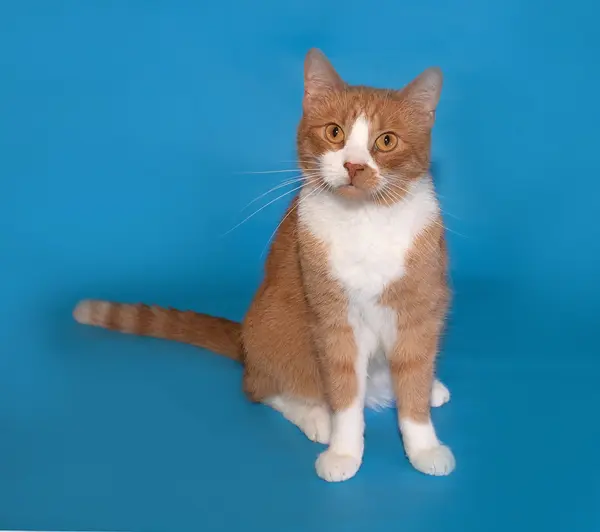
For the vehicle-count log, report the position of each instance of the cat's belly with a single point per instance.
(380, 388)
(375, 332)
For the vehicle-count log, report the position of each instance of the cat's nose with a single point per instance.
(353, 169)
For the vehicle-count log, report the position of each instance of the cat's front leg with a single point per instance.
(344, 359)
(412, 367)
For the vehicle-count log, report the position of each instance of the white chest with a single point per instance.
(368, 243)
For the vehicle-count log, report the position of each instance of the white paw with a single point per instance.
(316, 424)
(334, 467)
(439, 394)
(438, 461)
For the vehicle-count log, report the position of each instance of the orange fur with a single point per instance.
(295, 339)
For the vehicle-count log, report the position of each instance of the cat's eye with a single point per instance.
(334, 133)
(386, 142)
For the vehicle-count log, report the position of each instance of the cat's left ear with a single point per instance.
(424, 91)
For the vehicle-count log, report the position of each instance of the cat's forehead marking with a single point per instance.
(357, 145)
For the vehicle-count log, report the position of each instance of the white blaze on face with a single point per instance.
(355, 150)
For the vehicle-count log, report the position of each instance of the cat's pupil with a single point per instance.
(335, 131)
(386, 140)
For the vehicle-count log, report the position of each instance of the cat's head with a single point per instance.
(365, 143)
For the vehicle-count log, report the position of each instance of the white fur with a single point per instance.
(367, 246)
(380, 388)
(83, 312)
(367, 242)
(355, 150)
(314, 420)
(423, 449)
(84, 315)
(439, 394)
(334, 467)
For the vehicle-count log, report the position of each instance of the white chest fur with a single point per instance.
(368, 243)
(367, 247)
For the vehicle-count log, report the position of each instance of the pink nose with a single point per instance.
(353, 169)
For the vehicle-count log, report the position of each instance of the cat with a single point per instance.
(355, 293)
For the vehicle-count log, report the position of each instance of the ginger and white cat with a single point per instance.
(355, 291)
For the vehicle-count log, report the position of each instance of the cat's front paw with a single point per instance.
(438, 461)
(334, 467)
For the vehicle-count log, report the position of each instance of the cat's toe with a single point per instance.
(438, 461)
(316, 424)
(334, 467)
(439, 394)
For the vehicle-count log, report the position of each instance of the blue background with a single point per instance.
(124, 127)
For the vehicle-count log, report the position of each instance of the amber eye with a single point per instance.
(386, 142)
(334, 133)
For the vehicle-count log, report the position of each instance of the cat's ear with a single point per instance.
(319, 76)
(424, 91)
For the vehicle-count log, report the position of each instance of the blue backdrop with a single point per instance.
(124, 129)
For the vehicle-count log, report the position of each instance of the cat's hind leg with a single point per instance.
(311, 418)
(439, 394)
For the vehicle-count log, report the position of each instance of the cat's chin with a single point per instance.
(352, 192)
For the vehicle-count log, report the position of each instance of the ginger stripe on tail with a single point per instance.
(215, 334)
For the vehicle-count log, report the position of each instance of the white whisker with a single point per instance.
(444, 212)
(287, 183)
(398, 187)
(268, 172)
(388, 198)
(321, 187)
(263, 207)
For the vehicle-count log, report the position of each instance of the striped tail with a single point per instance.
(215, 334)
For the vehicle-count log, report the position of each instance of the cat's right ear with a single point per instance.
(424, 92)
(319, 76)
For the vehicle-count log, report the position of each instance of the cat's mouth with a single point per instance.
(351, 191)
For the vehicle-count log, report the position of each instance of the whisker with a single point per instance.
(430, 248)
(447, 213)
(287, 183)
(396, 198)
(268, 172)
(396, 186)
(321, 187)
(444, 211)
(448, 229)
(389, 198)
(263, 207)
(434, 221)
(310, 160)
(392, 189)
